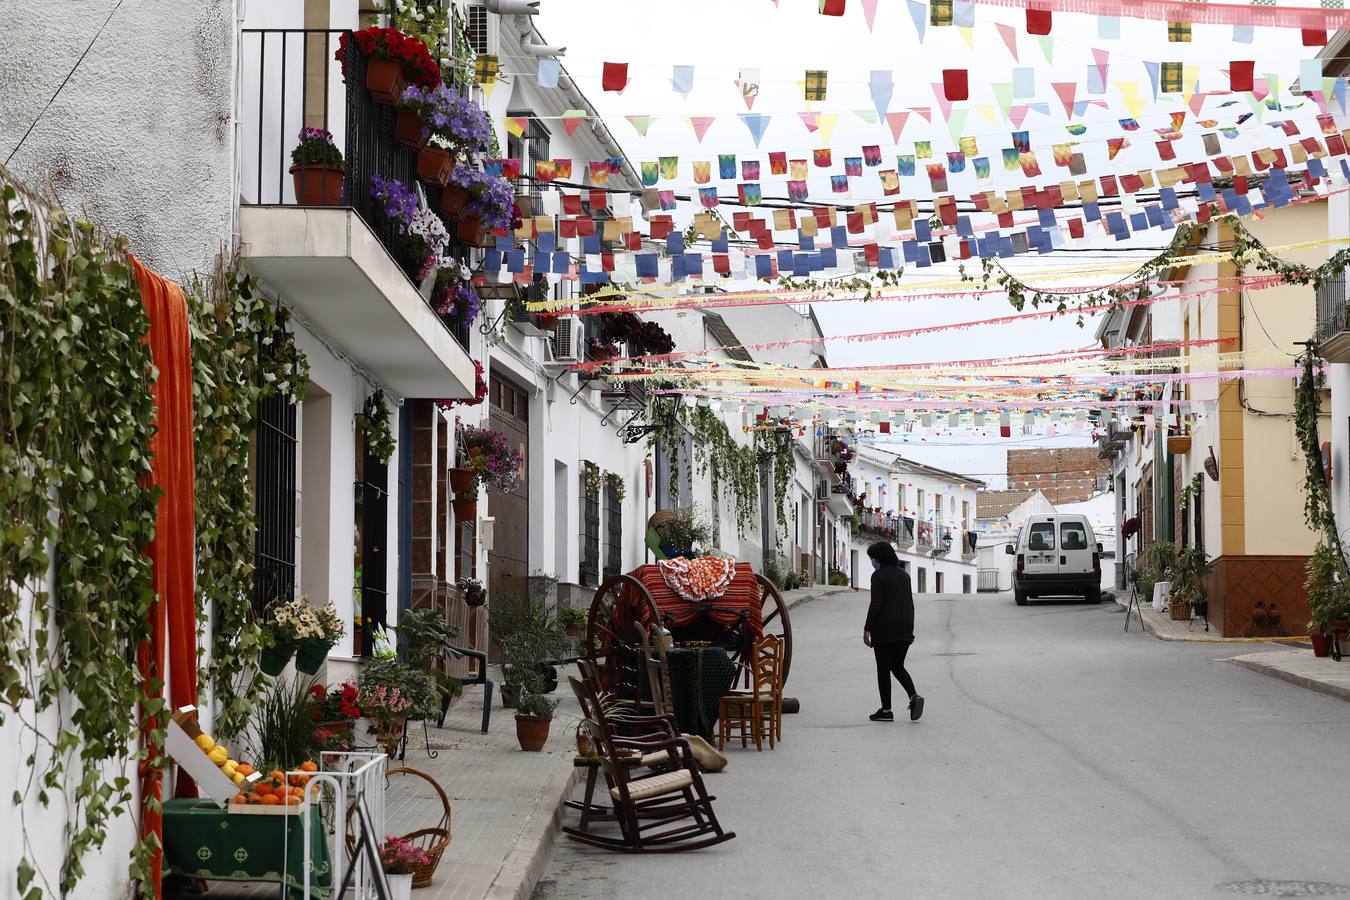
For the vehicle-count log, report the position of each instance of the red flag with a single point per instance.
(956, 84)
(571, 204)
(614, 76)
(1166, 151)
(1240, 73)
(832, 7)
(1038, 21)
(1076, 228)
(1314, 37)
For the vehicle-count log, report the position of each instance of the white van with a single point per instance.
(1057, 556)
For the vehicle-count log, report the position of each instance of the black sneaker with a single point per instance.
(915, 708)
(882, 715)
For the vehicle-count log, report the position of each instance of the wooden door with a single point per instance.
(509, 558)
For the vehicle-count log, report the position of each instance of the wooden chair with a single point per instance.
(757, 713)
(658, 672)
(646, 807)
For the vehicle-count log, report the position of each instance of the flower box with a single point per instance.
(434, 165)
(410, 130)
(1178, 444)
(454, 199)
(472, 232)
(384, 80)
(317, 184)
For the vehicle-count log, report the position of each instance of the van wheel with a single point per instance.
(1020, 597)
(1094, 595)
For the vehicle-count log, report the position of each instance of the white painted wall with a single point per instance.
(1338, 380)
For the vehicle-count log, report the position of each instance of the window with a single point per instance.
(274, 501)
(614, 547)
(372, 530)
(965, 517)
(476, 29)
(965, 584)
(918, 506)
(937, 583)
(923, 580)
(1072, 536)
(1042, 536)
(937, 516)
(590, 531)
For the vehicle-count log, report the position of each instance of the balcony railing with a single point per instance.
(1333, 320)
(904, 531)
(925, 535)
(289, 80)
(968, 545)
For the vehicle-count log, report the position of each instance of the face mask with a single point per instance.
(875, 565)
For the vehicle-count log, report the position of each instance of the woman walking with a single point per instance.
(890, 629)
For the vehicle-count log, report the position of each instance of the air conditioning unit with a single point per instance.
(567, 337)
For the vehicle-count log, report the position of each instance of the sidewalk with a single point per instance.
(1163, 627)
(815, 592)
(1300, 667)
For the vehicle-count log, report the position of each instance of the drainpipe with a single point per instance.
(236, 170)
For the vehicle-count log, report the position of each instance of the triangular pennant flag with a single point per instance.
(826, 123)
(572, 120)
(881, 85)
(869, 12)
(748, 82)
(1009, 35)
(957, 122)
(1065, 91)
(809, 120)
(925, 111)
(1047, 46)
(1100, 65)
(757, 125)
(1018, 114)
(919, 13)
(867, 115)
(1154, 79)
(699, 124)
(516, 125)
(896, 121)
(640, 123)
(987, 110)
(1003, 96)
(1129, 95)
(968, 34)
(682, 80)
(940, 91)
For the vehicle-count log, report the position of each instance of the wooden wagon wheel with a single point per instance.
(774, 617)
(611, 640)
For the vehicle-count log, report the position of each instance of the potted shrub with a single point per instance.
(393, 59)
(317, 169)
(489, 204)
(313, 649)
(1328, 599)
(387, 708)
(425, 637)
(400, 861)
(489, 453)
(1188, 586)
(393, 692)
(681, 533)
(528, 637)
(573, 621)
(474, 593)
(534, 715)
(335, 713)
(425, 247)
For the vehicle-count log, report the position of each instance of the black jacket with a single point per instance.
(891, 615)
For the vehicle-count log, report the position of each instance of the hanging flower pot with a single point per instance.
(1178, 444)
(434, 165)
(384, 80)
(409, 130)
(310, 655)
(453, 200)
(274, 659)
(472, 232)
(475, 597)
(462, 480)
(465, 510)
(317, 184)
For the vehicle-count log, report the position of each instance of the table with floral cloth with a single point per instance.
(201, 840)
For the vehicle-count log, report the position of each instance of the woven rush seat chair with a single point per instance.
(757, 713)
(666, 812)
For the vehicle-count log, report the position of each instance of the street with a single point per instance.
(1057, 757)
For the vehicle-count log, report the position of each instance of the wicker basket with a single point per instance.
(1179, 610)
(661, 517)
(431, 841)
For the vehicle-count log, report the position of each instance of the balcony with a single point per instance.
(904, 531)
(968, 549)
(343, 269)
(1333, 327)
(925, 539)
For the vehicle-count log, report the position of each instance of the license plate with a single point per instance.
(1041, 558)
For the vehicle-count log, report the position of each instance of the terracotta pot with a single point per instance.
(465, 510)
(317, 184)
(1321, 644)
(409, 130)
(472, 232)
(1178, 444)
(462, 480)
(453, 200)
(583, 740)
(384, 80)
(532, 731)
(434, 165)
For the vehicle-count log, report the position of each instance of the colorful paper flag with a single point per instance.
(750, 170)
(1038, 21)
(853, 166)
(923, 149)
(702, 171)
(905, 165)
(821, 157)
(956, 84)
(614, 77)
(816, 85)
(872, 155)
(670, 168)
(797, 191)
(650, 173)
(778, 163)
(839, 184)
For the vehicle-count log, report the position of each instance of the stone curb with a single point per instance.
(817, 593)
(520, 871)
(1256, 663)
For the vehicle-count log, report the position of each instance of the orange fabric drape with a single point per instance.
(173, 615)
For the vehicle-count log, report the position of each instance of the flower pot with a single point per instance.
(400, 886)
(1178, 444)
(310, 655)
(510, 695)
(672, 552)
(388, 732)
(274, 659)
(465, 510)
(409, 130)
(317, 184)
(472, 232)
(340, 732)
(453, 200)
(1178, 610)
(384, 80)
(462, 480)
(1321, 644)
(532, 731)
(583, 740)
(434, 165)
(475, 598)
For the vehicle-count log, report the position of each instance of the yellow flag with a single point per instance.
(1129, 95)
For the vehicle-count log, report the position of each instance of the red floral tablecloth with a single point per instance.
(697, 580)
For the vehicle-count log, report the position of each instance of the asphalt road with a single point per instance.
(1057, 757)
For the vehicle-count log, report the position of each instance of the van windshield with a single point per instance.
(1072, 536)
(1042, 536)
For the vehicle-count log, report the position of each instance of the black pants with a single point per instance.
(891, 661)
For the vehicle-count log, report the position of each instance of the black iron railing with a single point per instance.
(290, 80)
(1331, 308)
(904, 530)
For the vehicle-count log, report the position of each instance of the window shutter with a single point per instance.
(614, 564)
(274, 501)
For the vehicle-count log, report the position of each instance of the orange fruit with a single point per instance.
(293, 800)
(271, 800)
(308, 766)
(277, 777)
(263, 788)
(244, 769)
(241, 799)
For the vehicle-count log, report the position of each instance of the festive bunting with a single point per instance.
(956, 84)
(757, 124)
(682, 80)
(816, 85)
(1038, 21)
(880, 85)
(614, 77)
(640, 123)
(748, 82)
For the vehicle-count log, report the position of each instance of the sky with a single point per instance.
(721, 38)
